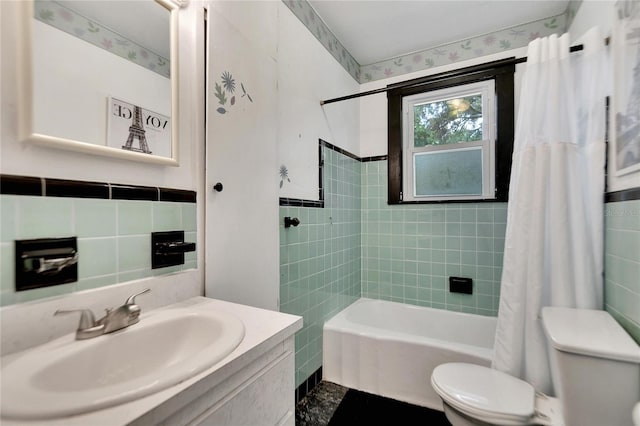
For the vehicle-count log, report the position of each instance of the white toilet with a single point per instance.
(595, 368)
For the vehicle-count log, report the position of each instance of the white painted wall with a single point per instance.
(287, 72)
(373, 108)
(307, 74)
(590, 13)
(242, 261)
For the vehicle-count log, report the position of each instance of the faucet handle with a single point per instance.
(88, 327)
(132, 299)
(87, 320)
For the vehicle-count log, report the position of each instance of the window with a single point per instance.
(451, 137)
(448, 143)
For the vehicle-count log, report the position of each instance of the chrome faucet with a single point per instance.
(114, 319)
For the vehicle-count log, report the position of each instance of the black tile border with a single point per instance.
(49, 187)
(309, 384)
(297, 202)
(72, 188)
(131, 192)
(319, 203)
(374, 158)
(338, 149)
(624, 195)
(20, 185)
(177, 195)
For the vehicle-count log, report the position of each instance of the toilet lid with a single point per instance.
(483, 391)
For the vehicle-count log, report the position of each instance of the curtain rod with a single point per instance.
(436, 77)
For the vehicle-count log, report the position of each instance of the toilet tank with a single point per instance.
(595, 366)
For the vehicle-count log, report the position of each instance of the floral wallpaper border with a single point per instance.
(69, 21)
(308, 16)
(487, 44)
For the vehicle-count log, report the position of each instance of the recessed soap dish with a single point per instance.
(168, 249)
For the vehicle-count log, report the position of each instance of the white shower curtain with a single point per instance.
(554, 243)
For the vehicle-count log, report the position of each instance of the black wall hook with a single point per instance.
(288, 222)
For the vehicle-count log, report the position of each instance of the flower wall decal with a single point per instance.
(227, 87)
(284, 175)
(228, 82)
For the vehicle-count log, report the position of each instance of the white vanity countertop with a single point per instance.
(264, 329)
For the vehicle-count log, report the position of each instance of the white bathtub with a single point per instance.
(390, 349)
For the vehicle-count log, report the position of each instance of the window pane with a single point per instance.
(448, 121)
(451, 172)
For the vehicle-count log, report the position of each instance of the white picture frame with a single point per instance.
(625, 129)
(28, 131)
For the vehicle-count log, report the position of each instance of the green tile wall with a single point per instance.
(114, 238)
(406, 254)
(622, 264)
(409, 251)
(320, 260)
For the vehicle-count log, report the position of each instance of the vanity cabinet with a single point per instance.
(262, 393)
(253, 385)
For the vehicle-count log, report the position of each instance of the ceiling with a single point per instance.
(376, 30)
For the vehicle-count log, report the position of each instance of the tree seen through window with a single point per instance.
(448, 121)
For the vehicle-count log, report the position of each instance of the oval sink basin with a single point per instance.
(69, 377)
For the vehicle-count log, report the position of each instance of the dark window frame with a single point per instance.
(503, 76)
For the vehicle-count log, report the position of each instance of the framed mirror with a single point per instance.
(101, 77)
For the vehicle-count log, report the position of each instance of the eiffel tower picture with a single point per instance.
(136, 131)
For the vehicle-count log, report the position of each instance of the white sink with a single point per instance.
(67, 377)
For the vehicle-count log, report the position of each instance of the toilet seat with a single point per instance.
(484, 393)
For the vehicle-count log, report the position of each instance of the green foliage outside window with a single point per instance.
(449, 121)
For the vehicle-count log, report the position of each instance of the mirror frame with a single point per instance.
(26, 131)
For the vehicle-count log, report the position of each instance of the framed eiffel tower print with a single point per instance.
(134, 128)
(626, 90)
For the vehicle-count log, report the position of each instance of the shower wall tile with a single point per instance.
(189, 217)
(96, 282)
(134, 252)
(410, 251)
(114, 238)
(43, 217)
(167, 216)
(622, 264)
(8, 208)
(320, 260)
(95, 218)
(134, 217)
(97, 256)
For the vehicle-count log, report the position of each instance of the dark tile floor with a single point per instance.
(329, 404)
